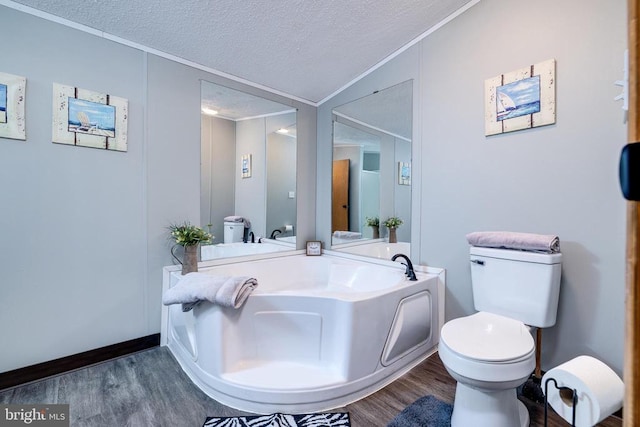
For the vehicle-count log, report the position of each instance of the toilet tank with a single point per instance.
(516, 284)
(233, 232)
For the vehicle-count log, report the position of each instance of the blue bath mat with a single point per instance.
(338, 419)
(424, 412)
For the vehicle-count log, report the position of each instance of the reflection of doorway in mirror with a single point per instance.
(404, 173)
(340, 196)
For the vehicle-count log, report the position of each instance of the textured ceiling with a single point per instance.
(306, 49)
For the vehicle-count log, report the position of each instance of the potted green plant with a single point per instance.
(374, 223)
(190, 237)
(392, 223)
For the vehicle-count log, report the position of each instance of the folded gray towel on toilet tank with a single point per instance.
(513, 240)
(192, 288)
(236, 218)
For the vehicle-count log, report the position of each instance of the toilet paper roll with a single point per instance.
(288, 228)
(600, 391)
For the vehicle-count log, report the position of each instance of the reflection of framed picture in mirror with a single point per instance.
(246, 166)
(404, 173)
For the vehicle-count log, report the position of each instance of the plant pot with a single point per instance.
(190, 259)
(393, 238)
(376, 231)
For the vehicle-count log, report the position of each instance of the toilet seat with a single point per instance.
(487, 347)
(488, 337)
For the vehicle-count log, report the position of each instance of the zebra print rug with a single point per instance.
(337, 419)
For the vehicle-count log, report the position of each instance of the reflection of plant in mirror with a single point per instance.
(188, 235)
(392, 222)
(372, 222)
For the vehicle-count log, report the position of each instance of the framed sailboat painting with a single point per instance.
(521, 99)
(12, 99)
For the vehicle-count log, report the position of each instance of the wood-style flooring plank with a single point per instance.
(150, 389)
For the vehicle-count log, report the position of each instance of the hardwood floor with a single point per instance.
(149, 389)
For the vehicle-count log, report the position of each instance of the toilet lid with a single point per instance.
(487, 337)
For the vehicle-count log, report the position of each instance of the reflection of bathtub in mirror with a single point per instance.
(340, 237)
(287, 240)
(377, 248)
(226, 250)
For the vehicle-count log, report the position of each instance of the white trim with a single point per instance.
(260, 116)
(361, 123)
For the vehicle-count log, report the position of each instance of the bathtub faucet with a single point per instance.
(275, 232)
(409, 272)
(252, 236)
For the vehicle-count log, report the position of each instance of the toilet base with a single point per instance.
(482, 408)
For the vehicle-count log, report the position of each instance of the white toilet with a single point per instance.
(492, 352)
(233, 232)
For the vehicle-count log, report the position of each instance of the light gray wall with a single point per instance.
(281, 179)
(262, 197)
(559, 179)
(251, 192)
(217, 173)
(85, 230)
(72, 218)
(402, 193)
(281, 174)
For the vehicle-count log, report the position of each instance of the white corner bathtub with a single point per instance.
(317, 333)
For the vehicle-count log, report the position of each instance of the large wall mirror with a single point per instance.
(248, 173)
(372, 172)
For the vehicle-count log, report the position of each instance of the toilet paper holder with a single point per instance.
(574, 399)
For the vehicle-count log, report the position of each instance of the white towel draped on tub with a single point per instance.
(223, 290)
(511, 240)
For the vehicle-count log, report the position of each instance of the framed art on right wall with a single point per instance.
(521, 99)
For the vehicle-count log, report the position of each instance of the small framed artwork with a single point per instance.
(521, 99)
(314, 247)
(404, 173)
(12, 99)
(89, 119)
(245, 165)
